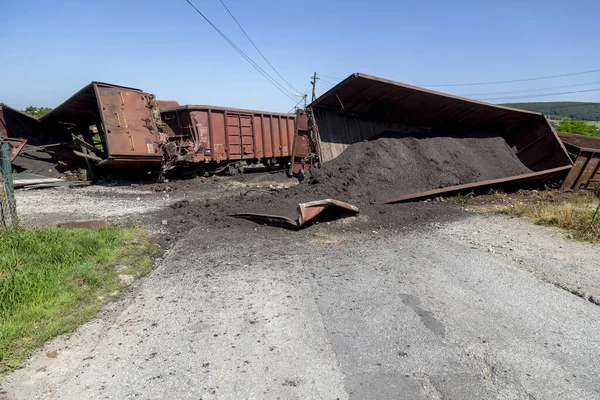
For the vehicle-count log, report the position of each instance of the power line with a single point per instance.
(541, 95)
(246, 57)
(531, 90)
(327, 82)
(292, 109)
(514, 80)
(257, 49)
(331, 77)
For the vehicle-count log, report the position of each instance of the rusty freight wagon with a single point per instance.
(218, 138)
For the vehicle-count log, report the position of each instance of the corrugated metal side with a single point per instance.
(338, 131)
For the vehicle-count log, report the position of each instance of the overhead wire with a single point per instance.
(246, 57)
(331, 77)
(327, 82)
(257, 49)
(540, 95)
(514, 80)
(292, 109)
(532, 90)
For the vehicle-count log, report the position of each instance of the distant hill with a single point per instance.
(562, 109)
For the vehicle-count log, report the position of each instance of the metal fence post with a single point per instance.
(6, 164)
(8, 209)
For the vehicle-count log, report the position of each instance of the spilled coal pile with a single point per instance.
(392, 164)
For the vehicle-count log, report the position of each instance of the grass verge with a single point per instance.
(573, 212)
(53, 280)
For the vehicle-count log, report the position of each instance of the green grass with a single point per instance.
(53, 280)
(573, 213)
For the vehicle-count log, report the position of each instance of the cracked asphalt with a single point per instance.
(478, 308)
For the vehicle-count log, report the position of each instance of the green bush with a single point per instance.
(573, 125)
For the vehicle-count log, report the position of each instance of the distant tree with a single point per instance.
(573, 125)
(37, 111)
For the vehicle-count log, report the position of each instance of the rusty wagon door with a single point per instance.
(240, 140)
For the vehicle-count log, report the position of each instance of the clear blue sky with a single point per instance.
(50, 49)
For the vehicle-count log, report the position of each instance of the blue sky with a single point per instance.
(52, 49)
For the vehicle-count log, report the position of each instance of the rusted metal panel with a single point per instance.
(528, 179)
(216, 134)
(306, 212)
(166, 104)
(361, 106)
(129, 127)
(589, 171)
(586, 168)
(585, 172)
(580, 141)
(267, 133)
(16, 125)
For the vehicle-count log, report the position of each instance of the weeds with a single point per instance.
(573, 213)
(461, 198)
(52, 280)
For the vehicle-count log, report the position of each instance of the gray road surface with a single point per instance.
(448, 312)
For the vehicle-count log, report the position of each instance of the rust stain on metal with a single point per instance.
(306, 212)
(531, 178)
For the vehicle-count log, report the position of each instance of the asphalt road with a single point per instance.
(429, 314)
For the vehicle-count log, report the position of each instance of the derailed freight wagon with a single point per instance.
(218, 138)
(114, 127)
(361, 107)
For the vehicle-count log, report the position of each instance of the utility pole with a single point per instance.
(314, 86)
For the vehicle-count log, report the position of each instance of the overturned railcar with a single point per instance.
(115, 127)
(216, 137)
(362, 107)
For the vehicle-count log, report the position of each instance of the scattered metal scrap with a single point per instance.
(585, 151)
(34, 181)
(306, 212)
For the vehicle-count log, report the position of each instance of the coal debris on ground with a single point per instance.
(390, 164)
